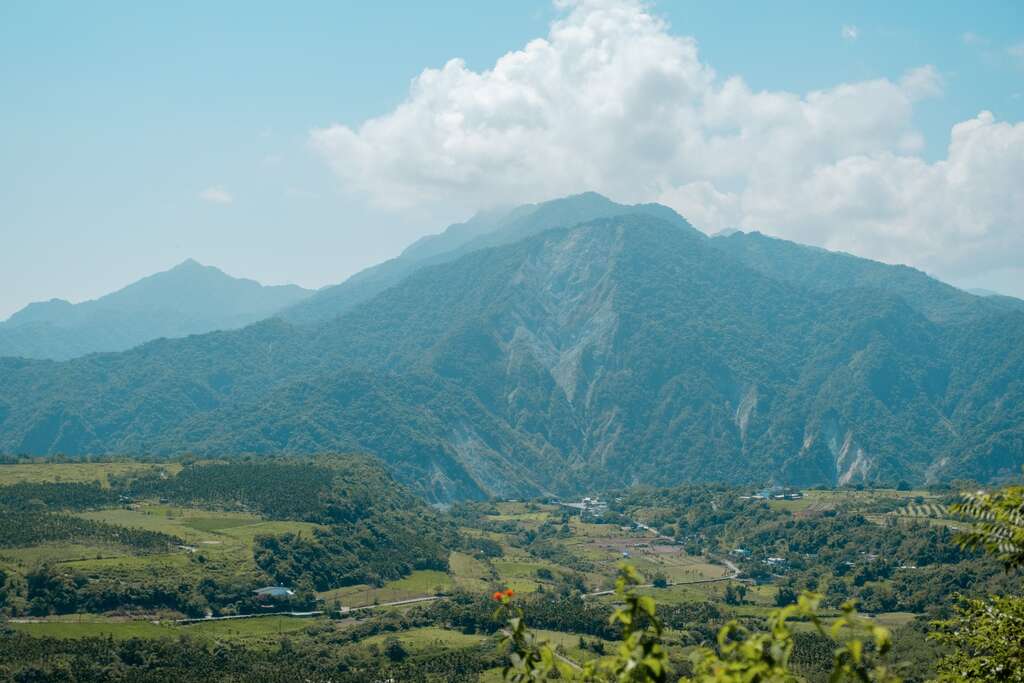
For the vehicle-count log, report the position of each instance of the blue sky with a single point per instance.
(120, 117)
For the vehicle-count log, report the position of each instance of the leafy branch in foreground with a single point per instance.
(745, 656)
(742, 656)
(984, 640)
(999, 525)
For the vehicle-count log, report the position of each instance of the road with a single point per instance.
(410, 601)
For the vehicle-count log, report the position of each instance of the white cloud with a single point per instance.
(972, 38)
(958, 216)
(612, 101)
(849, 32)
(922, 82)
(216, 195)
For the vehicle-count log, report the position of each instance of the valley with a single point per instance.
(709, 554)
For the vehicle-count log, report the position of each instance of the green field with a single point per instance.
(244, 629)
(421, 583)
(59, 552)
(469, 573)
(430, 638)
(78, 472)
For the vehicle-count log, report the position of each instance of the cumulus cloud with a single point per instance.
(216, 195)
(849, 32)
(611, 100)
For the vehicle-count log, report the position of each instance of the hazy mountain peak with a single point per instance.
(191, 264)
(40, 311)
(190, 298)
(484, 230)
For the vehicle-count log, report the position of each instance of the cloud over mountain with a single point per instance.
(612, 100)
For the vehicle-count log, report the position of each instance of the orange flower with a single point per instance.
(497, 596)
(508, 592)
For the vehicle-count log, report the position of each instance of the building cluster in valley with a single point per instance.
(775, 493)
(591, 506)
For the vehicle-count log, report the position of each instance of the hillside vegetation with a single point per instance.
(564, 359)
(384, 587)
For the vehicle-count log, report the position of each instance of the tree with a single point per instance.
(785, 596)
(985, 638)
(394, 650)
(734, 595)
(984, 641)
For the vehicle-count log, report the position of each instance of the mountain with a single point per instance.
(188, 299)
(828, 271)
(486, 229)
(621, 350)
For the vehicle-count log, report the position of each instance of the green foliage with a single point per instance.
(277, 489)
(21, 529)
(372, 529)
(742, 655)
(640, 655)
(983, 641)
(56, 496)
(317, 659)
(765, 656)
(998, 523)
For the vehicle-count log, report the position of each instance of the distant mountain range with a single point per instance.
(188, 299)
(571, 345)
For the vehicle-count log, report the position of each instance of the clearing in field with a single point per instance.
(78, 471)
(428, 639)
(469, 573)
(421, 583)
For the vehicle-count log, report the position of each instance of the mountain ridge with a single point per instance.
(627, 349)
(189, 298)
(485, 230)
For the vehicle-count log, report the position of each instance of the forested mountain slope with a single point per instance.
(626, 349)
(831, 271)
(188, 299)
